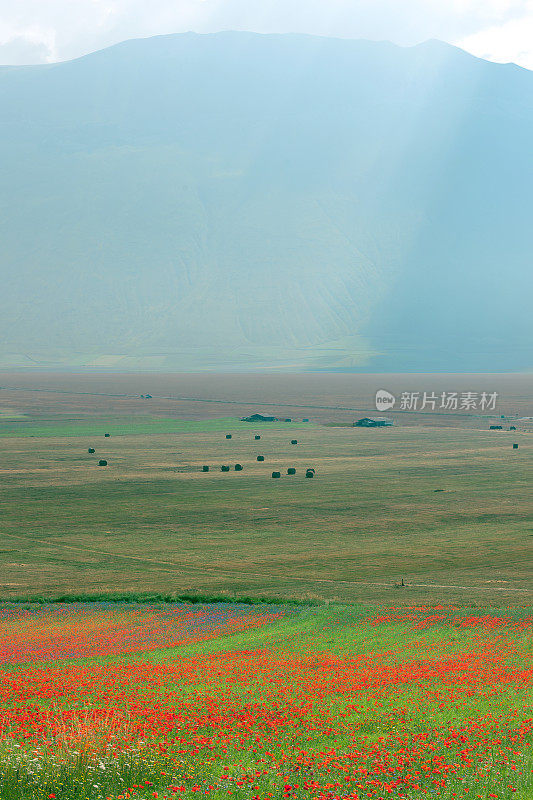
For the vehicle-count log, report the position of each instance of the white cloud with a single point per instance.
(510, 41)
(22, 50)
(32, 31)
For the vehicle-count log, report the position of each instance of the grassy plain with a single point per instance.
(325, 397)
(408, 691)
(151, 521)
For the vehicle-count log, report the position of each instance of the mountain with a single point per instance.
(244, 201)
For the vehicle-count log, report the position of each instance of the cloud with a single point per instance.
(511, 41)
(20, 50)
(35, 31)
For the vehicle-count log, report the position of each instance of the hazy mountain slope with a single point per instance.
(241, 200)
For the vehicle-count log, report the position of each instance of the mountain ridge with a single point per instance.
(266, 202)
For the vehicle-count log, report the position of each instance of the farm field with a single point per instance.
(382, 645)
(324, 397)
(259, 703)
(446, 510)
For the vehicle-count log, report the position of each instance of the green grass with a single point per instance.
(133, 426)
(151, 597)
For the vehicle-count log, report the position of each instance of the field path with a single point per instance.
(236, 573)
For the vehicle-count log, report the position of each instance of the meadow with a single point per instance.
(444, 509)
(382, 646)
(114, 702)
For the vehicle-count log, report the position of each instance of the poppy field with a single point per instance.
(256, 703)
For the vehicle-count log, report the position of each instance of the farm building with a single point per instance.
(258, 418)
(373, 422)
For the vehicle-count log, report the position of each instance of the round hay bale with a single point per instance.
(294, 441)
(102, 463)
(224, 468)
(257, 437)
(91, 450)
(291, 471)
(276, 474)
(260, 458)
(310, 473)
(515, 447)
(238, 467)
(205, 468)
(228, 436)
(107, 435)
(512, 428)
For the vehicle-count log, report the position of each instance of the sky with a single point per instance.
(44, 31)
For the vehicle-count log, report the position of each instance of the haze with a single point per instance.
(35, 32)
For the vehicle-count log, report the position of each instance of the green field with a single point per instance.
(120, 426)
(151, 521)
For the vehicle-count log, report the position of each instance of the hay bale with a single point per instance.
(224, 468)
(238, 467)
(102, 463)
(310, 473)
(228, 436)
(294, 441)
(291, 471)
(515, 447)
(260, 458)
(205, 468)
(276, 474)
(257, 437)
(107, 435)
(91, 450)
(512, 428)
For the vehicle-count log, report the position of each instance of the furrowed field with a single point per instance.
(219, 701)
